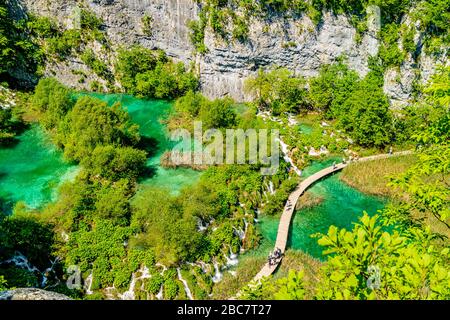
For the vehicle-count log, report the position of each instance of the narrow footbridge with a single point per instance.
(289, 209)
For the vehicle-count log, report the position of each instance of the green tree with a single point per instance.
(331, 88)
(115, 163)
(426, 182)
(278, 90)
(151, 74)
(91, 123)
(27, 234)
(366, 117)
(18, 53)
(53, 100)
(218, 114)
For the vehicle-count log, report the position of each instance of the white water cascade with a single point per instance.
(22, 262)
(232, 260)
(185, 284)
(285, 150)
(160, 294)
(47, 271)
(218, 275)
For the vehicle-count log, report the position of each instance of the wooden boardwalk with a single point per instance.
(289, 209)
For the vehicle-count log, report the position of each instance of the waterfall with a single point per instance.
(186, 287)
(129, 294)
(291, 120)
(160, 295)
(161, 265)
(232, 260)
(240, 233)
(22, 262)
(271, 187)
(285, 150)
(204, 266)
(47, 271)
(200, 226)
(218, 275)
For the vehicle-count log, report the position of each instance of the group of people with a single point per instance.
(277, 254)
(289, 205)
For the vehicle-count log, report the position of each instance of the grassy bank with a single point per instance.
(372, 177)
(298, 260)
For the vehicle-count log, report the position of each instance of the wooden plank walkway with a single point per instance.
(289, 209)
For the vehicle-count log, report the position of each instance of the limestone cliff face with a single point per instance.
(293, 43)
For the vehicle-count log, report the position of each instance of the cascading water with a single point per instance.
(144, 274)
(200, 226)
(22, 262)
(287, 158)
(47, 271)
(232, 260)
(218, 275)
(185, 284)
(160, 294)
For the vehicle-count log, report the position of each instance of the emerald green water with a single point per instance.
(341, 206)
(305, 128)
(30, 170)
(148, 114)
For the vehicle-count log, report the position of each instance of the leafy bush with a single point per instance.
(92, 122)
(18, 52)
(150, 74)
(53, 100)
(114, 163)
(329, 90)
(153, 285)
(278, 90)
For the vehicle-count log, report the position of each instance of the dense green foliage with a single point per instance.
(337, 93)
(151, 74)
(91, 123)
(26, 235)
(102, 224)
(82, 125)
(18, 53)
(213, 114)
(278, 90)
(369, 263)
(367, 118)
(331, 88)
(10, 123)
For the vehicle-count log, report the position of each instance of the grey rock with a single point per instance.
(31, 294)
(294, 43)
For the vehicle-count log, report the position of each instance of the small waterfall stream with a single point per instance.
(218, 275)
(287, 158)
(185, 284)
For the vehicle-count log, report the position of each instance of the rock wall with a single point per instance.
(293, 43)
